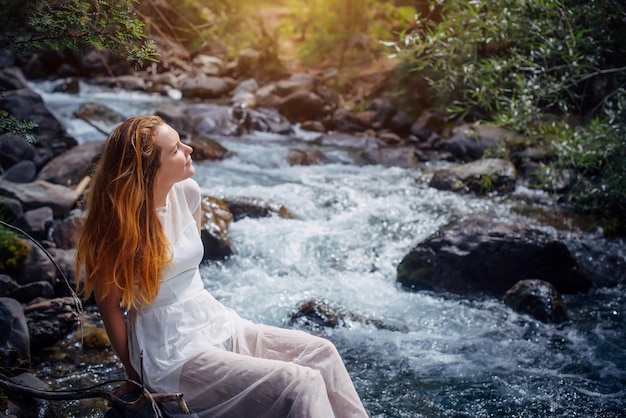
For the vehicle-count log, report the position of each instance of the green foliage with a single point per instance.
(13, 252)
(347, 31)
(598, 156)
(10, 125)
(524, 63)
(514, 60)
(27, 26)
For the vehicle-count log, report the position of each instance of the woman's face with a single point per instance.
(175, 160)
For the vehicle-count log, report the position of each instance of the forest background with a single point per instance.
(553, 71)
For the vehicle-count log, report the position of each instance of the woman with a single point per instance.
(139, 251)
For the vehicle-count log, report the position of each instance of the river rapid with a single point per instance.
(452, 356)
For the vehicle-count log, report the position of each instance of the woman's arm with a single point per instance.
(115, 326)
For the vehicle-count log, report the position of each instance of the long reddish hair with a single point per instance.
(122, 242)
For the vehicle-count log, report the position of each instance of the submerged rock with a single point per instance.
(315, 314)
(537, 298)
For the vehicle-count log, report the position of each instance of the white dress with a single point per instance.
(224, 365)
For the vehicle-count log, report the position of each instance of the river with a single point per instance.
(454, 356)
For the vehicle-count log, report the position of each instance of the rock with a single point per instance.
(37, 223)
(298, 82)
(66, 231)
(24, 405)
(216, 217)
(96, 112)
(343, 120)
(206, 148)
(31, 291)
(25, 104)
(50, 321)
(12, 78)
(23, 172)
(305, 157)
(251, 207)
(490, 175)
(69, 168)
(14, 149)
(39, 194)
(537, 298)
(384, 112)
(314, 314)
(10, 208)
(204, 87)
(469, 142)
(37, 267)
(302, 105)
(391, 156)
(313, 126)
(401, 124)
(64, 259)
(7, 285)
(208, 65)
(14, 336)
(479, 255)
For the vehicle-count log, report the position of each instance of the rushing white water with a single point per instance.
(454, 357)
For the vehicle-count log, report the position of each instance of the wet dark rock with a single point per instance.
(314, 314)
(23, 405)
(7, 285)
(216, 217)
(384, 112)
(305, 157)
(12, 78)
(37, 223)
(302, 105)
(97, 112)
(14, 336)
(14, 149)
(489, 175)
(480, 255)
(469, 142)
(50, 321)
(10, 208)
(23, 172)
(537, 298)
(391, 156)
(63, 283)
(401, 124)
(25, 104)
(252, 207)
(66, 231)
(69, 168)
(31, 291)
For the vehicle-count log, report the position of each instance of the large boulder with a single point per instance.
(480, 255)
(69, 168)
(40, 193)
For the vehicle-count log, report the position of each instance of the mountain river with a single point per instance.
(450, 356)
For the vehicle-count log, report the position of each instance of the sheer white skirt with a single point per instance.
(270, 372)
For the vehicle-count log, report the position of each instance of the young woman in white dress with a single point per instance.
(139, 251)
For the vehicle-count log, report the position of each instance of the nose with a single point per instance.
(188, 149)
